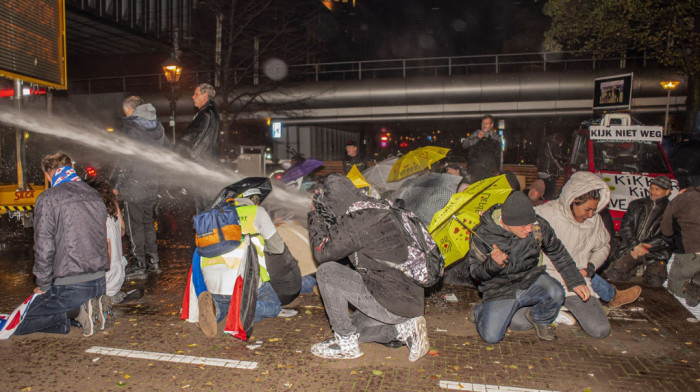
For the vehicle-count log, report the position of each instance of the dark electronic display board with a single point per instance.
(33, 41)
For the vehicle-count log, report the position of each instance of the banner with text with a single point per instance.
(627, 133)
(627, 187)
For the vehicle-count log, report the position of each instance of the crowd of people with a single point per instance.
(536, 260)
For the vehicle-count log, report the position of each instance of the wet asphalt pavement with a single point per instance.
(652, 347)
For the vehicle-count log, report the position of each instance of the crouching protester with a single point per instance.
(642, 240)
(70, 245)
(389, 306)
(220, 272)
(504, 257)
(575, 220)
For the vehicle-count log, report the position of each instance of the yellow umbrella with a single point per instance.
(357, 179)
(415, 161)
(448, 225)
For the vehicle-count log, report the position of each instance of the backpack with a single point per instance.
(217, 230)
(425, 264)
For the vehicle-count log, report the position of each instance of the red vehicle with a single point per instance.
(626, 156)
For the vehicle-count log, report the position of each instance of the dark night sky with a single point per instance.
(377, 29)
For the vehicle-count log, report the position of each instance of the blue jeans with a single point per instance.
(545, 295)
(308, 282)
(267, 304)
(47, 313)
(605, 290)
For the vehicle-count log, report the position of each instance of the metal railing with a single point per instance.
(376, 69)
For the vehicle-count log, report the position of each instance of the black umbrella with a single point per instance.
(236, 189)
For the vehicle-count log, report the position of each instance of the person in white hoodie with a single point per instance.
(576, 222)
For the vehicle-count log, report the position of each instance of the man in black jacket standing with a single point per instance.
(201, 141)
(138, 189)
(642, 240)
(389, 306)
(70, 259)
(504, 257)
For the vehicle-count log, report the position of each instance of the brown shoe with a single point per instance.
(207, 314)
(624, 297)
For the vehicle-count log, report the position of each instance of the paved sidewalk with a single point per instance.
(652, 347)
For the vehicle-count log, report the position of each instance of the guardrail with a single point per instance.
(374, 69)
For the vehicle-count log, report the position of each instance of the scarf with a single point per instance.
(64, 174)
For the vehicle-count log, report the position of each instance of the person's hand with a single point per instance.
(498, 256)
(480, 134)
(116, 192)
(37, 290)
(640, 250)
(582, 292)
(584, 273)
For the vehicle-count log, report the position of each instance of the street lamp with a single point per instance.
(172, 70)
(668, 85)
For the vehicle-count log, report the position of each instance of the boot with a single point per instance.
(691, 291)
(544, 331)
(137, 270)
(153, 265)
(414, 334)
(624, 297)
(338, 347)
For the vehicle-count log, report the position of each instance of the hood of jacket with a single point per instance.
(580, 183)
(144, 121)
(339, 194)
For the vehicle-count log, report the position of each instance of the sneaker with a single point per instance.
(544, 331)
(136, 272)
(338, 347)
(565, 318)
(118, 297)
(207, 314)
(287, 313)
(133, 295)
(87, 317)
(414, 334)
(154, 268)
(105, 312)
(624, 297)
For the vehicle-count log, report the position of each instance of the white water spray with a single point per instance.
(175, 169)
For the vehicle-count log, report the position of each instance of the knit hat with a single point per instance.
(662, 182)
(517, 210)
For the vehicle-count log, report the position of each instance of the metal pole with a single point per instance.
(19, 139)
(668, 102)
(173, 105)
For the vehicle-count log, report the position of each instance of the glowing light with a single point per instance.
(669, 84)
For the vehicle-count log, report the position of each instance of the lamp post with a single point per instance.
(668, 85)
(172, 70)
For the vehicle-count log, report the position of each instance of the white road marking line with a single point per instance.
(229, 363)
(472, 387)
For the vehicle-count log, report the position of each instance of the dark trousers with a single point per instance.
(48, 312)
(623, 267)
(341, 286)
(142, 231)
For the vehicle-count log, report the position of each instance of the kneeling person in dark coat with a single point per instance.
(389, 306)
(509, 275)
